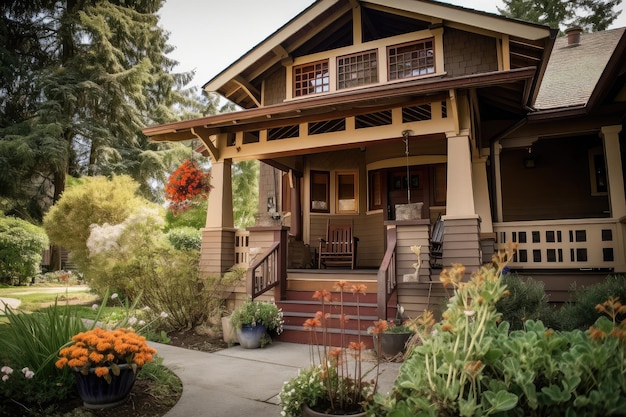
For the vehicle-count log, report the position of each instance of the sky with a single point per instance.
(209, 35)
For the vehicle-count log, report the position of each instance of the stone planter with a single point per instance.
(97, 393)
(250, 336)
(412, 211)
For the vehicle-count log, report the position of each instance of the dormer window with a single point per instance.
(411, 59)
(311, 78)
(357, 69)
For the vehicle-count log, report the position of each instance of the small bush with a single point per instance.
(581, 312)
(21, 245)
(185, 238)
(526, 300)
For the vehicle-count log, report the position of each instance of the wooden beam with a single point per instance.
(204, 134)
(252, 91)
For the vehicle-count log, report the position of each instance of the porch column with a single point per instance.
(482, 203)
(218, 237)
(497, 149)
(615, 176)
(461, 236)
(460, 194)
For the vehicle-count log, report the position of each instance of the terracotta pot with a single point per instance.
(250, 336)
(97, 393)
(308, 412)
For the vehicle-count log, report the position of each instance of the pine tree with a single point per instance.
(79, 80)
(590, 15)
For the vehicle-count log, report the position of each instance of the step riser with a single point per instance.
(335, 339)
(351, 324)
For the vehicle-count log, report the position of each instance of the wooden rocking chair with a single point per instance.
(339, 247)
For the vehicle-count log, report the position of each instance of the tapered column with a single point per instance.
(218, 237)
(460, 194)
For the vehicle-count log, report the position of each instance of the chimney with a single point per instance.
(573, 36)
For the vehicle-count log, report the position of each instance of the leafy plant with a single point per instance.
(185, 238)
(526, 300)
(472, 364)
(258, 313)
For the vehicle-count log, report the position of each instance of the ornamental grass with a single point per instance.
(104, 350)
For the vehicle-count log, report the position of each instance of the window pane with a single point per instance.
(311, 78)
(320, 191)
(346, 192)
(411, 60)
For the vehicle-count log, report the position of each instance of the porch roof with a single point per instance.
(354, 102)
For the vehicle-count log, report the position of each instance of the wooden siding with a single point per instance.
(274, 89)
(461, 243)
(468, 53)
(415, 298)
(559, 185)
(218, 250)
(412, 233)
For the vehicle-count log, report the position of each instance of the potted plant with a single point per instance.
(335, 383)
(105, 363)
(394, 339)
(253, 319)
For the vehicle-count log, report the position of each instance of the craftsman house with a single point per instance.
(417, 123)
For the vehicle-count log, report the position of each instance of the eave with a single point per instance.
(357, 100)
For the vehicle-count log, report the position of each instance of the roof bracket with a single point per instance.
(204, 135)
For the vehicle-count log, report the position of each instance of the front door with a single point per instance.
(400, 188)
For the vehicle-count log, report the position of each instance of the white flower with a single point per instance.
(95, 306)
(114, 296)
(469, 313)
(132, 321)
(6, 370)
(5, 378)
(163, 315)
(142, 322)
(28, 374)
(146, 308)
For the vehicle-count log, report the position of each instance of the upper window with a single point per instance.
(357, 69)
(311, 78)
(411, 59)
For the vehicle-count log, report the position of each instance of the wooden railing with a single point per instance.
(387, 280)
(269, 270)
(556, 244)
(242, 248)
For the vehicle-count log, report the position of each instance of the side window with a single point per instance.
(311, 78)
(320, 192)
(410, 60)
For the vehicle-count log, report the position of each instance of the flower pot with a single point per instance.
(392, 343)
(308, 412)
(97, 393)
(250, 336)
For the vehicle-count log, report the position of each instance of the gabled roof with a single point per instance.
(240, 82)
(574, 71)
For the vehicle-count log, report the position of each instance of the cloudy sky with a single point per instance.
(211, 34)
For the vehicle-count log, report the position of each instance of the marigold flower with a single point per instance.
(101, 371)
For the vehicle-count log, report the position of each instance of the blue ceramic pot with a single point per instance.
(250, 336)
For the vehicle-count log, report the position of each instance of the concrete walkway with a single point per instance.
(7, 301)
(241, 382)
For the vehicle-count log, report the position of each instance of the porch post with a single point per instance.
(483, 208)
(497, 149)
(218, 237)
(615, 176)
(461, 236)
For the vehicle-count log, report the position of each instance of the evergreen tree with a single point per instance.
(79, 78)
(590, 15)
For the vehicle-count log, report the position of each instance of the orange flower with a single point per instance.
(380, 326)
(356, 346)
(334, 353)
(340, 285)
(447, 327)
(359, 289)
(310, 324)
(101, 371)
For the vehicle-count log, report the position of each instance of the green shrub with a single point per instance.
(469, 365)
(581, 312)
(21, 245)
(185, 238)
(526, 300)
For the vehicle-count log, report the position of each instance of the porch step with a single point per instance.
(300, 306)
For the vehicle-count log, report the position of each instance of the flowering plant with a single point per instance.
(186, 183)
(335, 382)
(105, 350)
(258, 313)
